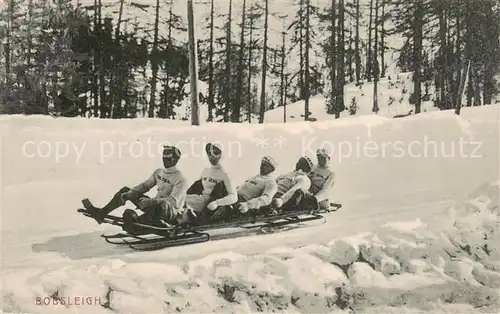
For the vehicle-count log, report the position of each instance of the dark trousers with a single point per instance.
(305, 201)
(300, 201)
(225, 213)
(151, 213)
(206, 215)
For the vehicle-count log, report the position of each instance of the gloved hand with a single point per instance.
(212, 206)
(127, 196)
(146, 202)
(276, 203)
(243, 207)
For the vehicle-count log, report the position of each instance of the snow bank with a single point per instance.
(449, 264)
(431, 265)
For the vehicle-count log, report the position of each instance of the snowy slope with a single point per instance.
(393, 99)
(387, 170)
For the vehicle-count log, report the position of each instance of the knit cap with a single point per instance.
(213, 149)
(308, 161)
(270, 161)
(323, 152)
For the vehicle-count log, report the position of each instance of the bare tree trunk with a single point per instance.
(154, 63)
(8, 51)
(282, 75)
(102, 81)
(168, 108)
(417, 53)
(301, 52)
(477, 84)
(284, 98)
(470, 88)
(357, 52)
(492, 31)
(456, 94)
(351, 70)
(235, 116)
(339, 104)
(368, 73)
(382, 41)
(193, 67)
(333, 59)
(95, 63)
(450, 71)
(211, 65)
(470, 51)
(443, 58)
(249, 83)
(116, 62)
(461, 89)
(30, 37)
(307, 75)
(375, 107)
(264, 67)
(228, 97)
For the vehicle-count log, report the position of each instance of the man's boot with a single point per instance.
(130, 217)
(99, 213)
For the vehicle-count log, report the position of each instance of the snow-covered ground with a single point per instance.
(418, 231)
(393, 99)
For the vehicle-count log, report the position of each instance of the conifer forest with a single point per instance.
(127, 59)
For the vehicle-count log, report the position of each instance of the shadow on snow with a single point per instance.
(92, 245)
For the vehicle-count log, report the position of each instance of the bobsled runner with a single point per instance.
(147, 237)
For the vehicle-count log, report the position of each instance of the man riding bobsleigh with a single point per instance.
(208, 199)
(160, 211)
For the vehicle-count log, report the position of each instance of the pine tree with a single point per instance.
(297, 40)
(250, 107)
(282, 75)
(235, 116)
(411, 17)
(263, 104)
(154, 62)
(369, 57)
(442, 59)
(117, 58)
(227, 88)
(333, 59)
(418, 24)
(14, 19)
(375, 107)
(306, 57)
(339, 104)
(211, 96)
(382, 21)
(357, 52)
(492, 48)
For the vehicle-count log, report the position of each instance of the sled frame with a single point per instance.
(190, 234)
